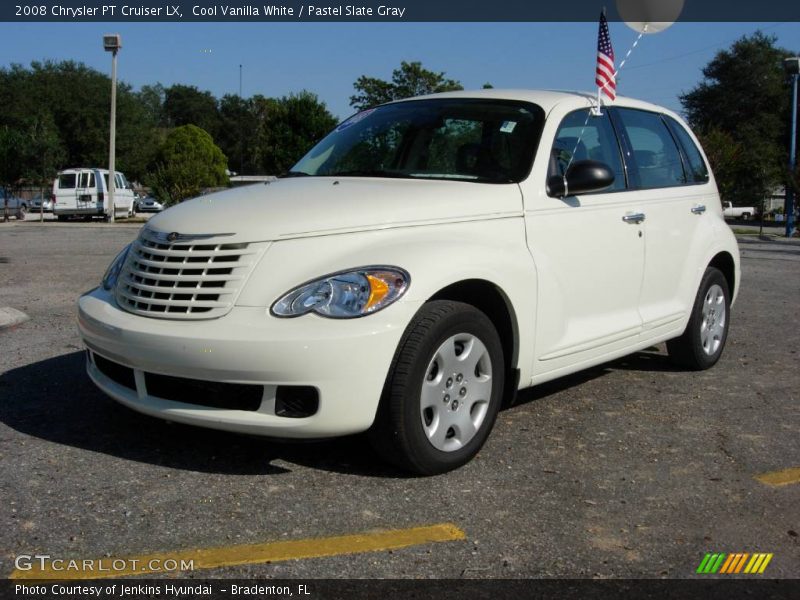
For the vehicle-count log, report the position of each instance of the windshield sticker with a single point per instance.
(355, 119)
(508, 126)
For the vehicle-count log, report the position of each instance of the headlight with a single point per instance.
(345, 295)
(114, 269)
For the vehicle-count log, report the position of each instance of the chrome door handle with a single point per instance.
(633, 218)
(699, 209)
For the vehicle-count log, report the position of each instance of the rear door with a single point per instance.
(86, 199)
(65, 192)
(673, 185)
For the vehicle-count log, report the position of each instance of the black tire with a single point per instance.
(689, 350)
(62, 218)
(745, 216)
(399, 431)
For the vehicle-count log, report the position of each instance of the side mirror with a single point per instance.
(583, 176)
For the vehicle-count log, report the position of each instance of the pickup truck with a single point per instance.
(737, 212)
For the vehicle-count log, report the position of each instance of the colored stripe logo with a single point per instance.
(732, 564)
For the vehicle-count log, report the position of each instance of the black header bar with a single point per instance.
(386, 10)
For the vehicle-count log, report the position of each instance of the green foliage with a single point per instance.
(724, 153)
(741, 110)
(187, 161)
(410, 80)
(239, 124)
(31, 152)
(186, 105)
(59, 113)
(288, 128)
(55, 115)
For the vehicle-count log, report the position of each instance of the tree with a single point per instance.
(724, 153)
(743, 104)
(239, 123)
(289, 127)
(59, 112)
(187, 162)
(187, 105)
(411, 79)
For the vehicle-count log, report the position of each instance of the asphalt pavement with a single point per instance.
(630, 469)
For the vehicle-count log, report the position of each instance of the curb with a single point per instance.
(55, 225)
(11, 316)
(778, 241)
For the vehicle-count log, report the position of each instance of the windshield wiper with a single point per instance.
(370, 173)
(294, 174)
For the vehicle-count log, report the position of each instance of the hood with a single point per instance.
(312, 206)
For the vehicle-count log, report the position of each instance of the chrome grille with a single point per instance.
(183, 280)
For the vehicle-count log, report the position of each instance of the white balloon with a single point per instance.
(649, 16)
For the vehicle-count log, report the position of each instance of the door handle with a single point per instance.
(633, 218)
(699, 209)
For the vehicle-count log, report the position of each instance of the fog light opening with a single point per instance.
(296, 401)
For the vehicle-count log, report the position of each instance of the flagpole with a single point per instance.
(598, 110)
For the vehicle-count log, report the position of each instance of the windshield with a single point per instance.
(491, 141)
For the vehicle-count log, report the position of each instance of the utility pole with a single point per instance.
(792, 67)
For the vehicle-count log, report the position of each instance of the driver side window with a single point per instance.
(582, 136)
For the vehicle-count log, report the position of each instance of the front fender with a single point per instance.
(435, 256)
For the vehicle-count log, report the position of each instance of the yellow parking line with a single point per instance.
(779, 478)
(245, 554)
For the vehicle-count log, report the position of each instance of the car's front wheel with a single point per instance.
(443, 391)
(701, 344)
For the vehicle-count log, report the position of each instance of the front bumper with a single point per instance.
(345, 360)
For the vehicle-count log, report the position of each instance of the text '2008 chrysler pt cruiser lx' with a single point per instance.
(425, 260)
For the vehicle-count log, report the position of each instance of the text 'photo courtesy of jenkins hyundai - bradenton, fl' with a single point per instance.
(416, 268)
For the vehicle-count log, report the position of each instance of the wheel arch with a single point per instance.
(495, 304)
(725, 263)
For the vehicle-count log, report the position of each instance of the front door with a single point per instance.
(589, 253)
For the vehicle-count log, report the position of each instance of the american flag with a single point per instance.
(604, 74)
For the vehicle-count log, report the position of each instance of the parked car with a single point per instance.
(149, 204)
(737, 212)
(416, 268)
(83, 192)
(41, 203)
(17, 207)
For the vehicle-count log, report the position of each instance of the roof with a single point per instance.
(72, 169)
(548, 99)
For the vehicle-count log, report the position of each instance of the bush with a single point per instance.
(185, 163)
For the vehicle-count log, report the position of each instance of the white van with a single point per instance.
(84, 192)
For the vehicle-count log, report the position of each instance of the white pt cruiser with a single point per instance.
(416, 268)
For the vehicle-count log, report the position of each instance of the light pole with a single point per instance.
(241, 131)
(112, 43)
(792, 67)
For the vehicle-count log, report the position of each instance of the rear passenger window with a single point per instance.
(696, 167)
(66, 181)
(579, 138)
(655, 155)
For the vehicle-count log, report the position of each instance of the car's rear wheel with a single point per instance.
(703, 341)
(443, 391)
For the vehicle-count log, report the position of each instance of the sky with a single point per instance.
(326, 58)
